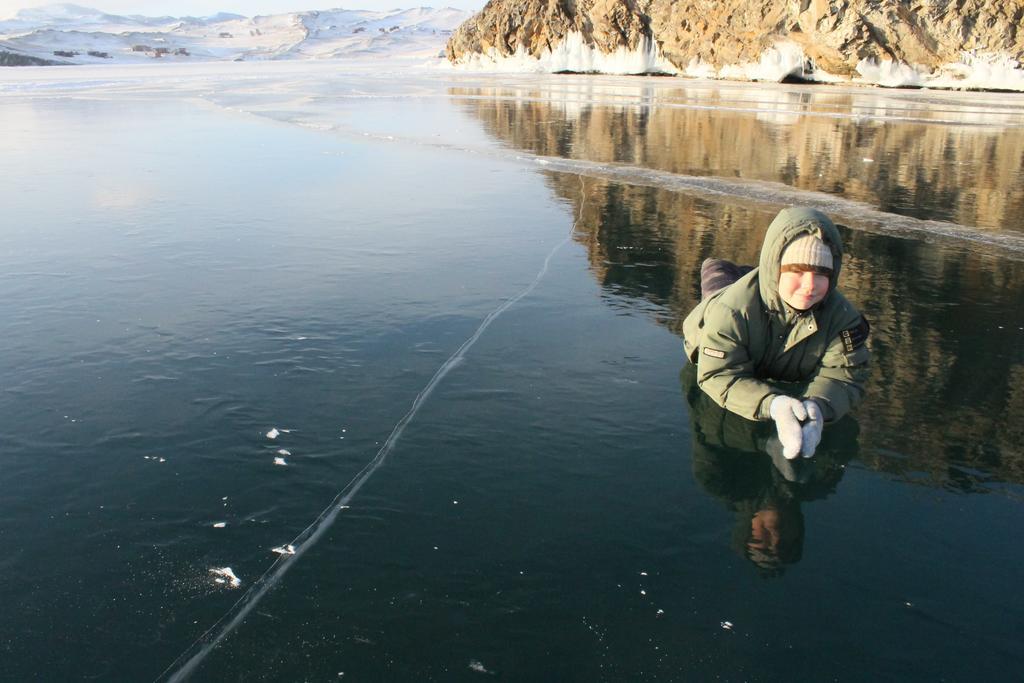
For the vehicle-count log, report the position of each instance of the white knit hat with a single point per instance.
(807, 250)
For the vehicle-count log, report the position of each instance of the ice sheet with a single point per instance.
(308, 94)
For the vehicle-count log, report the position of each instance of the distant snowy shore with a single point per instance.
(71, 34)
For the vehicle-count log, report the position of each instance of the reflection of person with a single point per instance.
(741, 463)
(780, 342)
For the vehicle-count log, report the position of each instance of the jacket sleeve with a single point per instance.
(725, 370)
(839, 383)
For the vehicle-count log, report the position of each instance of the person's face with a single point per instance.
(764, 531)
(801, 289)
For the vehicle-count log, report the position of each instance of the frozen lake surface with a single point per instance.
(378, 375)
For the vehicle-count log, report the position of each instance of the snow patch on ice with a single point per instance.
(226, 574)
(574, 54)
(478, 667)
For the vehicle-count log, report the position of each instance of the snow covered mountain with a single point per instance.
(72, 34)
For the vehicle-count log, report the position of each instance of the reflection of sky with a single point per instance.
(171, 214)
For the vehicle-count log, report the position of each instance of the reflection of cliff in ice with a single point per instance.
(946, 400)
(946, 159)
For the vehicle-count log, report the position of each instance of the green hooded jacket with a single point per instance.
(750, 346)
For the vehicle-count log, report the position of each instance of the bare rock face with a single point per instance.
(833, 35)
(532, 26)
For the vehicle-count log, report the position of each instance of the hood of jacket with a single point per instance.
(787, 226)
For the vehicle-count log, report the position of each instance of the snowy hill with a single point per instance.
(72, 34)
(67, 17)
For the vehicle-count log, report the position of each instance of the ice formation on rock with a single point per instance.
(896, 43)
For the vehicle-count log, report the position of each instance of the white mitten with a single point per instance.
(811, 430)
(788, 413)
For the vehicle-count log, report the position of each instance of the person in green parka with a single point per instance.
(780, 342)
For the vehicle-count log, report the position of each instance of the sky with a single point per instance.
(199, 8)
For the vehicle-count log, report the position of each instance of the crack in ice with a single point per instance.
(192, 657)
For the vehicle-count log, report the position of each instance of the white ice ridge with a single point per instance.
(187, 661)
(772, 194)
(785, 59)
(977, 70)
(767, 193)
(974, 70)
(573, 54)
(889, 74)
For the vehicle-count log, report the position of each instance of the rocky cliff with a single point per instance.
(893, 42)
